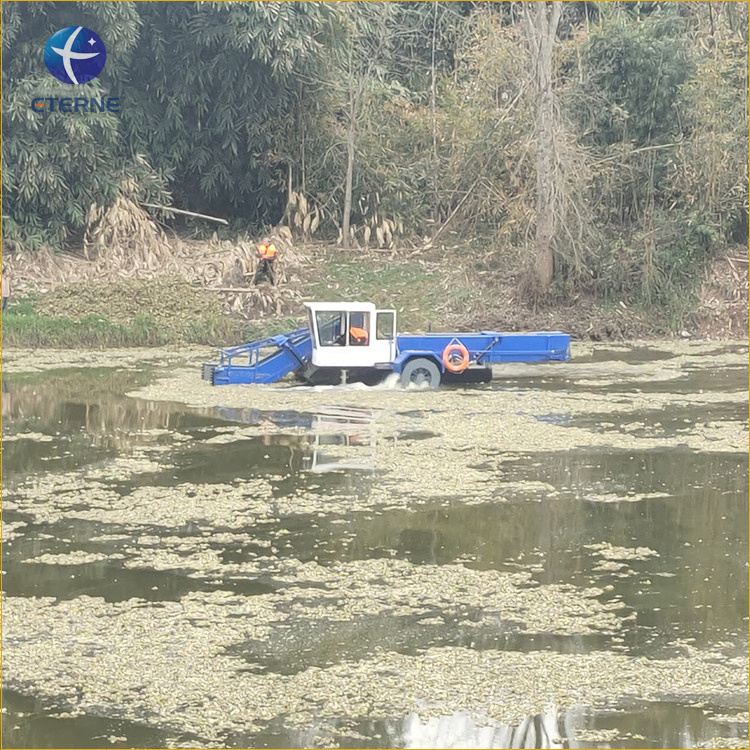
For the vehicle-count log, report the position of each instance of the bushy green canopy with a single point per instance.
(206, 94)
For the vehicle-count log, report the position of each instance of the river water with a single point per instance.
(556, 559)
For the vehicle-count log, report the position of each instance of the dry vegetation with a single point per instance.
(125, 247)
(723, 310)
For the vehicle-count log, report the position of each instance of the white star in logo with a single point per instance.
(67, 55)
(92, 41)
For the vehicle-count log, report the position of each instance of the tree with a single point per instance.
(541, 20)
(710, 176)
(635, 68)
(213, 91)
(359, 55)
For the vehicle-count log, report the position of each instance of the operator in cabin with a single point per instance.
(357, 329)
(357, 335)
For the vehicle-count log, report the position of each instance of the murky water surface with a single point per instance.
(556, 559)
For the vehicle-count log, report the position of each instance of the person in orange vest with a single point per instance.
(266, 256)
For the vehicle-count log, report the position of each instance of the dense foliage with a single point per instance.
(366, 120)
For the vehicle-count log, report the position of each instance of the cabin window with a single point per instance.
(331, 328)
(385, 326)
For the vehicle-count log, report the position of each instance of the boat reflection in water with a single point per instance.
(335, 438)
(342, 439)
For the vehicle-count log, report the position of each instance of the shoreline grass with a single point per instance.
(24, 327)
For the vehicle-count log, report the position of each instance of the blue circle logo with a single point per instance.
(75, 55)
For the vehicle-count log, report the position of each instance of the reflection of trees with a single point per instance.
(700, 524)
(92, 403)
(28, 723)
(90, 410)
(695, 517)
(546, 730)
(89, 418)
(698, 527)
(551, 729)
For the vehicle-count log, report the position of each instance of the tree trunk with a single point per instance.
(433, 113)
(542, 19)
(349, 182)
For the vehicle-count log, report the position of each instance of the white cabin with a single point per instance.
(351, 334)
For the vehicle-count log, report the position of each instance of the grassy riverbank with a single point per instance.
(23, 327)
(154, 312)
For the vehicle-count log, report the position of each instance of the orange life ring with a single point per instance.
(456, 357)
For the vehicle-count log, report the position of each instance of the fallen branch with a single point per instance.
(234, 290)
(186, 213)
(637, 151)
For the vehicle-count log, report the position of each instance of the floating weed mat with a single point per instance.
(196, 665)
(172, 665)
(476, 425)
(309, 593)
